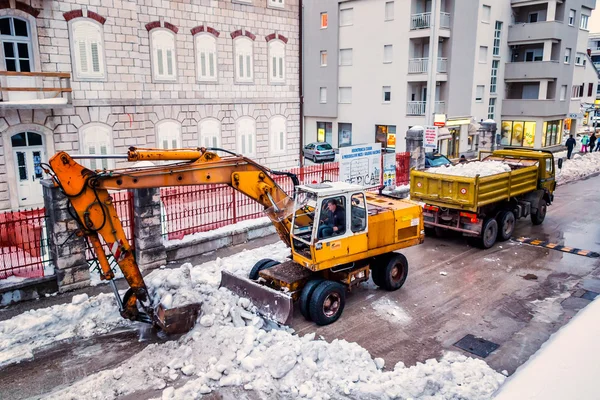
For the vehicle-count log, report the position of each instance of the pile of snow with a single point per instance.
(472, 169)
(391, 311)
(578, 168)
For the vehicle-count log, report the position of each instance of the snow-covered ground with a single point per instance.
(230, 347)
(472, 169)
(578, 167)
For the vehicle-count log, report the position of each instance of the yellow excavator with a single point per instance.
(339, 235)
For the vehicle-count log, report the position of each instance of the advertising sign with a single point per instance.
(389, 169)
(430, 137)
(361, 164)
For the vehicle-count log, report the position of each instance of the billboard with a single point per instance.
(361, 164)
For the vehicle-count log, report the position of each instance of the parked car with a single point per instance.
(436, 160)
(319, 152)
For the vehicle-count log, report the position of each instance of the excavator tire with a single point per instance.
(327, 302)
(265, 263)
(307, 292)
(377, 267)
(394, 272)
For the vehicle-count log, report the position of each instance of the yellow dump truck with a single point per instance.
(486, 207)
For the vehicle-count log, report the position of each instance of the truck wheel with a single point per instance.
(394, 272)
(489, 233)
(327, 302)
(506, 225)
(307, 292)
(540, 215)
(259, 266)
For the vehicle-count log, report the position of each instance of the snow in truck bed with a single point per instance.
(472, 169)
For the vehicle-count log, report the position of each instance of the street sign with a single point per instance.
(575, 115)
(430, 137)
(361, 164)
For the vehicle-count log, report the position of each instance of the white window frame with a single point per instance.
(205, 44)
(572, 16)
(277, 56)
(497, 39)
(389, 11)
(157, 36)
(346, 51)
(479, 93)
(87, 41)
(486, 13)
(347, 89)
(323, 58)
(348, 14)
(583, 21)
(483, 50)
(567, 59)
(244, 46)
(276, 3)
(168, 130)
(388, 58)
(95, 135)
(277, 135)
(580, 59)
(494, 77)
(492, 108)
(245, 133)
(563, 92)
(323, 95)
(209, 130)
(384, 90)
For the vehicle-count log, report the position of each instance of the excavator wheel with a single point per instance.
(393, 272)
(327, 302)
(265, 263)
(305, 296)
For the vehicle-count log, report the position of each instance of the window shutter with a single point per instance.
(211, 64)
(248, 67)
(274, 66)
(203, 64)
(281, 67)
(241, 67)
(95, 58)
(83, 57)
(159, 58)
(170, 62)
(281, 141)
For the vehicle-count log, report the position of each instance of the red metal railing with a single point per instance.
(24, 244)
(193, 209)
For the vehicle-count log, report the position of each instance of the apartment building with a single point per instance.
(374, 68)
(118, 73)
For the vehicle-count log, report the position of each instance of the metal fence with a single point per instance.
(24, 240)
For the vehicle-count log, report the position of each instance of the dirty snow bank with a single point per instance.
(472, 169)
(578, 168)
(21, 335)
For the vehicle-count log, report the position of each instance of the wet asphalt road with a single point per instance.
(487, 293)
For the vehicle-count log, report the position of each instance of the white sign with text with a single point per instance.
(430, 137)
(361, 164)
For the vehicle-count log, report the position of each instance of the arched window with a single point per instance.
(163, 55)
(96, 139)
(245, 128)
(277, 61)
(168, 135)
(87, 48)
(15, 35)
(277, 134)
(206, 57)
(210, 133)
(244, 59)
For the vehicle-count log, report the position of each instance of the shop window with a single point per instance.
(518, 133)
(552, 133)
(325, 132)
(386, 135)
(344, 134)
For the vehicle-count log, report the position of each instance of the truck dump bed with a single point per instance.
(469, 194)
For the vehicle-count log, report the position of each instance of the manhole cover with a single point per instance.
(478, 346)
(588, 295)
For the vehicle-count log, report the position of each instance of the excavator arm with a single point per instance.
(88, 193)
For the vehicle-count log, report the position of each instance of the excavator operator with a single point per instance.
(334, 222)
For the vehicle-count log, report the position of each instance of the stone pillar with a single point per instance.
(150, 251)
(67, 250)
(414, 145)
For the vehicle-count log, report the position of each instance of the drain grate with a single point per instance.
(589, 295)
(478, 346)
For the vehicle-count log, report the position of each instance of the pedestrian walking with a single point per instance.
(592, 141)
(570, 145)
(585, 141)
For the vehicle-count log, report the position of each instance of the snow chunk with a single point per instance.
(79, 298)
(379, 363)
(472, 169)
(390, 311)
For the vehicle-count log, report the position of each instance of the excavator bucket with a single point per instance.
(272, 304)
(176, 320)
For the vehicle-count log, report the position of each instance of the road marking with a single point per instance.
(554, 246)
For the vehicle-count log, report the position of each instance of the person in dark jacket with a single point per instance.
(592, 141)
(334, 222)
(570, 145)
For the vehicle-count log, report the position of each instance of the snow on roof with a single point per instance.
(331, 188)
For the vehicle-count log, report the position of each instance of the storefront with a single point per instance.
(449, 142)
(386, 135)
(518, 133)
(552, 133)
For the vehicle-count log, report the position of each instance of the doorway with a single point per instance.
(28, 152)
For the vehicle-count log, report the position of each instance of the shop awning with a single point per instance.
(474, 129)
(444, 133)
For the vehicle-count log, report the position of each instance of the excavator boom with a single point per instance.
(88, 193)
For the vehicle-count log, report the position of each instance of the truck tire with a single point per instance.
(307, 292)
(259, 266)
(506, 225)
(327, 302)
(538, 217)
(394, 272)
(489, 233)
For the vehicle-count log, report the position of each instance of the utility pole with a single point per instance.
(432, 63)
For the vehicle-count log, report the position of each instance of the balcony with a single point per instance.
(423, 20)
(417, 108)
(533, 108)
(535, 32)
(421, 65)
(28, 90)
(533, 70)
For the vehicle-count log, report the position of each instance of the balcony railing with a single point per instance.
(31, 89)
(423, 20)
(419, 107)
(421, 65)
